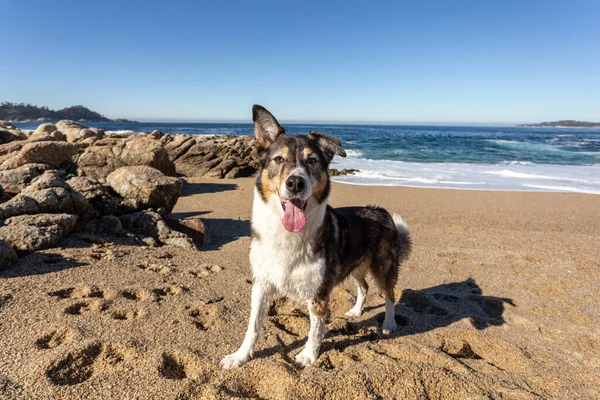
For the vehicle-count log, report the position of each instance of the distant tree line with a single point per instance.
(567, 122)
(22, 112)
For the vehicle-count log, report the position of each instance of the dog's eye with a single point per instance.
(278, 159)
(311, 160)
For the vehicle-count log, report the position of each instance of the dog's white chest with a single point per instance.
(283, 259)
(294, 272)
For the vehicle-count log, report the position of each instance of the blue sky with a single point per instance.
(429, 61)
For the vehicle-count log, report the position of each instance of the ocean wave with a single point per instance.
(518, 176)
(517, 163)
(354, 153)
(119, 131)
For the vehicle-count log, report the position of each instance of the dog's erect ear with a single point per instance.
(266, 127)
(328, 144)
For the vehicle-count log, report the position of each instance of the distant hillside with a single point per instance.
(28, 112)
(567, 123)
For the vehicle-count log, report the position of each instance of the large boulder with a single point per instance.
(224, 156)
(48, 193)
(15, 180)
(145, 187)
(7, 254)
(36, 232)
(106, 155)
(75, 132)
(150, 223)
(10, 133)
(47, 152)
(45, 130)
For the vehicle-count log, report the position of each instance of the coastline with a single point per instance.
(494, 301)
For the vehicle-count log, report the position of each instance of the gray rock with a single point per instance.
(7, 254)
(48, 193)
(98, 196)
(150, 223)
(106, 225)
(15, 180)
(10, 133)
(145, 187)
(36, 232)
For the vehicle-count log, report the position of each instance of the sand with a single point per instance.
(499, 300)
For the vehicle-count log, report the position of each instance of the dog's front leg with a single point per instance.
(261, 299)
(318, 310)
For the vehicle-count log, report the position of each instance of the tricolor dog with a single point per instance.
(301, 247)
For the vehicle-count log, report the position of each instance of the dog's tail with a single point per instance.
(404, 241)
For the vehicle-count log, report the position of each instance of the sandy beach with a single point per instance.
(498, 300)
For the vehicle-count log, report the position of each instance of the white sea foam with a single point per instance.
(354, 153)
(518, 176)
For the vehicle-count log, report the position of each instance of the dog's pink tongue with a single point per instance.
(294, 218)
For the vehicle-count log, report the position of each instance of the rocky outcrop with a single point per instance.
(345, 171)
(67, 177)
(224, 156)
(106, 155)
(35, 232)
(145, 187)
(48, 193)
(13, 181)
(47, 152)
(10, 133)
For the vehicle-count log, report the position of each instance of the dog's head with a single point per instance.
(293, 168)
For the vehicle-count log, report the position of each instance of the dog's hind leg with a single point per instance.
(318, 310)
(362, 287)
(386, 280)
(261, 299)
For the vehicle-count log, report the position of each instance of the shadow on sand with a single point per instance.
(417, 311)
(39, 263)
(190, 189)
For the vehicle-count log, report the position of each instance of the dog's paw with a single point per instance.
(305, 358)
(233, 360)
(388, 326)
(353, 313)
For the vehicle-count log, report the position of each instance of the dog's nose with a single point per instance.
(295, 184)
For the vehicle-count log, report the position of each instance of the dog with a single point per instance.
(301, 247)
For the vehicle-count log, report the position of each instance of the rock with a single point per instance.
(36, 232)
(150, 223)
(97, 195)
(106, 225)
(143, 150)
(10, 133)
(7, 254)
(192, 227)
(15, 180)
(108, 154)
(51, 153)
(47, 130)
(211, 156)
(337, 172)
(48, 193)
(145, 187)
(75, 132)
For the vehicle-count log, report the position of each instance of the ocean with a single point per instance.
(454, 157)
